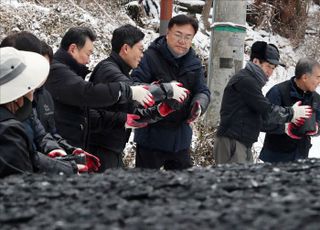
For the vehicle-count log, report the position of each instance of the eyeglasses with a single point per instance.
(180, 37)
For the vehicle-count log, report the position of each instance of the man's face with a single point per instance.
(312, 81)
(267, 68)
(134, 54)
(82, 55)
(179, 38)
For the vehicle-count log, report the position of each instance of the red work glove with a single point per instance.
(141, 94)
(289, 127)
(312, 133)
(57, 153)
(164, 109)
(133, 123)
(194, 113)
(300, 113)
(92, 162)
(82, 168)
(179, 93)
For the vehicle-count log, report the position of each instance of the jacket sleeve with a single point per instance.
(103, 119)
(14, 150)
(271, 123)
(44, 141)
(69, 88)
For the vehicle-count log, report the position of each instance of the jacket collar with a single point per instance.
(124, 67)
(257, 72)
(189, 59)
(5, 114)
(296, 92)
(64, 57)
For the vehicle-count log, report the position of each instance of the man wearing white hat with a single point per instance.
(21, 72)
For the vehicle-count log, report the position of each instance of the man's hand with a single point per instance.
(133, 123)
(179, 93)
(142, 95)
(57, 153)
(289, 127)
(300, 113)
(194, 113)
(92, 162)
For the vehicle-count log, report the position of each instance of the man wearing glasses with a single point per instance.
(166, 143)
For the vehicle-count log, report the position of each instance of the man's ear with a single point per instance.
(72, 48)
(256, 61)
(124, 49)
(304, 77)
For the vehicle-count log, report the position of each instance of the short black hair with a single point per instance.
(305, 66)
(78, 36)
(46, 50)
(126, 34)
(183, 19)
(23, 40)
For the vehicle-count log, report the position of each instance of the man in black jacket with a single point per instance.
(243, 107)
(40, 125)
(288, 142)
(22, 71)
(166, 143)
(72, 94)
(108, 139)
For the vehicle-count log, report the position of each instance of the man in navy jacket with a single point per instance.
(288, 142)
(171, 58)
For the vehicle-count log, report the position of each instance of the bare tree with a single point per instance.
(206, 14)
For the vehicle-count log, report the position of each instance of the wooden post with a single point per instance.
(165, 15)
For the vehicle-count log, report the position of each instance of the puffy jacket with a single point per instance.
(243, 107)
(16, 151)
(17, 154)
(158, 64)
(44, 111)
(108, 124)
(72, 96)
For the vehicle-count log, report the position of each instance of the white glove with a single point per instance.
(142, 95)
(179, 93)
(300, 113)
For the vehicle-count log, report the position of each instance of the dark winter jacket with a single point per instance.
(16, 151)
(171, 134)
(109, 132)
(44, 111)
(17, 154)
(243, 106)
(286, 94)
(72, 96)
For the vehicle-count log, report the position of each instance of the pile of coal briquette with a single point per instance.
(258, 196)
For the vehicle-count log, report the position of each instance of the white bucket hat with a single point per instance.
(20, 73)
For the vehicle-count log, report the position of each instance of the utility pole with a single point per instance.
(165, 15)
(226, 51)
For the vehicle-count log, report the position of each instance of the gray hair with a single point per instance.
(305, 66)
